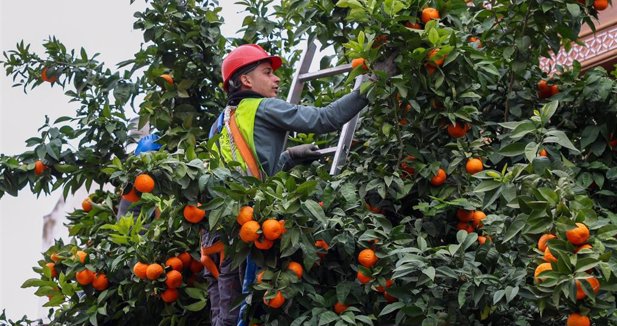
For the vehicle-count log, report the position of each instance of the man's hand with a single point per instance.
(304, 152)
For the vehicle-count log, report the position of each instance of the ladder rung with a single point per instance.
(327, 151)
(325, 72)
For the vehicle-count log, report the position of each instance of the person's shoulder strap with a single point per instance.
(243, 148)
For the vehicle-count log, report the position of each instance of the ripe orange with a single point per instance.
(139, 269)
(359, 62)
(464, 215)
(263, 244)
(282, 223)
(363, 278)
(429, 13)
(476, 41)
(174, 279)
(367, 258)
(430, 68)
(52, 269)
(389, 297)
(413, 25)
(154, 271)
(296, 268)
(576, 319)
(84, 277)
(554, 89)
(260, 276)
(193, 214)
(86, 205)
(275, 302)
(196, 266)
(323, 245)
(175, 263)
(186, 259)
(144, 183)
(44, 77)
(439, 178)
(39, 167)
(381, 289)
(543, 241)
(380, 40)
(474, 165)
(245, 215)
(465, 226)
(131, 196)
(100, 282)
(168, 79)
(434, 59)
(458, 129)
(600, 4)
(578, 235)
(248, 231)
(543, 153)
(81, 255)
(482, 239)
(544, 90)
(340, 307)
(541, 268)
(406, 167)
(548, 257)
(595, 285)
(169, 295)
(55, 257)
(271, 229)
(585, 246)
(478, 217)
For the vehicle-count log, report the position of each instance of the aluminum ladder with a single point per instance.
(302, 75)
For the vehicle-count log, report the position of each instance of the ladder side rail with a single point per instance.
(344, 142)
(326, 72)
(295, 90)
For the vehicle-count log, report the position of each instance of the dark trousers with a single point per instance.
(226, 292)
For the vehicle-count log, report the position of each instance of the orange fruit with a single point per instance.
(430, 68)
(275, 302)
(434, 59)
(543, 153)
(585, 246)
(465, 226)
(476, 41)
(100, 282)
(541, 268)
(131, 196)
(429, 13)
(548, 257)
(175, 263)
(55, 257)
(363, 278)
(413, 25)
(600, 4)
(174, 279)
(263, 244)
(359, 62)
(406, 167)
(52, 269)
(169, 295)
(439, 178)
(296, 268)
(196, 266)
(554, 90)
(340, 307)
(81, 255)
(144, 183)
(389, 297)
(478, 217)
(154, 271)
(595, 285)
(271, 229)
(578, 235)
(86, 205)
(44, 77)
(84, 277)
(482, 239)
(464, 215)
(380, 40)
(248, 231)
(543, 241)
(458, 130)
(576, 319)
(282, 223)
(168, 79)
(193, 214)
(544, 90)
(260, 276)
(39, 167)
(381, 289)
(245, 215)
(186, 259)
(323, 245)
(367, 258)
(139, 269)
(474, 165)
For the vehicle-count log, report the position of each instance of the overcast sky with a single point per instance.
(99, 26)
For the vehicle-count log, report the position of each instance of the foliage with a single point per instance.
(384, 199)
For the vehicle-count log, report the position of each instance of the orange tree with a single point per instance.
(413, 231)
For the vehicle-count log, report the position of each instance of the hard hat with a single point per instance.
(245, 55)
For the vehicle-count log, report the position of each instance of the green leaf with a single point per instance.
(548, 110)
(316, 211)
(513, 149)
(391, 308)
(430, 272)
(327, 317)
(589, 135)
(197, 306)
(522, 130)
(559, 137)
(517, 225)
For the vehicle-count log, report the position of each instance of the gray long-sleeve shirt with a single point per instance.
(274, 117)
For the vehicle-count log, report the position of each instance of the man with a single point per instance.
(255, 117)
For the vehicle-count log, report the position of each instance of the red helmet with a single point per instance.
(245, 55)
